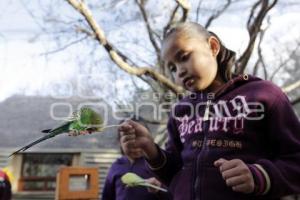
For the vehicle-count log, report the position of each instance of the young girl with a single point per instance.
(131, 161)
(235, 137)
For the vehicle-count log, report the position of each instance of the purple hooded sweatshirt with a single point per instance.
(114, 189)
(248, 119)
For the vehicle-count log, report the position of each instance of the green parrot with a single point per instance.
(133, 180)
(86, 119)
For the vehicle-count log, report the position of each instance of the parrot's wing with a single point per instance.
(61, 128)
(33, 143)
(132, 180)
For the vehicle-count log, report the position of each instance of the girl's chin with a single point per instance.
(196, 88)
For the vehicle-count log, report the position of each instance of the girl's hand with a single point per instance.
(155, 182)
(236, 174)
(135, 137)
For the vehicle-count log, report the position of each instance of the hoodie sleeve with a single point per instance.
(108, 192)
(169, 161)
(282, 171)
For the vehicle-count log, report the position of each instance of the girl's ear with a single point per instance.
(214, 45)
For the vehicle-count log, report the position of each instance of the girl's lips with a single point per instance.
(189, 82)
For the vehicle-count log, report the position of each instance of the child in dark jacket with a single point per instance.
(5, 186)
(131, 161)
(234, 137)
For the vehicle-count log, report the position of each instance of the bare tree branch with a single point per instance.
(185, 5)
(260, 59)
(79, 29)
(291, 87)
(171, 20)
(148, 81)
(295, 101)
(254, 27)
(198, 10)
(64, 47)
(141, 5)
(217, 14)
(92, 35)
(81, 7)
(284, 62)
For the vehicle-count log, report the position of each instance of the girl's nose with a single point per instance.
(182, 72)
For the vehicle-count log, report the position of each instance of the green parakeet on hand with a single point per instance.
(86, 119)
(133, 180)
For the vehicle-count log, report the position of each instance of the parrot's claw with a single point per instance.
(74, 133)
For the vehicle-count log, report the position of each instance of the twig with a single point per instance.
(198, 10)
(254, 27)
(185, 5)
(291, 87)
(261, 59)
(295, 101)
(171, 20)
(284, 62)
(217, 14)
(141, 5)
(64, 47)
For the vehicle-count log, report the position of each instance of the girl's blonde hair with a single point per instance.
(225, 57)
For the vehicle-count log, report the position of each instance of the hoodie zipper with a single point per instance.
(198, 172)
(198, 168)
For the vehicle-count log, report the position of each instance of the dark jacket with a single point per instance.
(114, 189)
(5, 186)
(249, 119)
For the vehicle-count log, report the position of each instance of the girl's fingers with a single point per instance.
(229, 164)
(236, 180)
(128, 132)
(219, 162)
(245, 188)
(230, 173)
(125, 127)
(126, 138)
(236, 175)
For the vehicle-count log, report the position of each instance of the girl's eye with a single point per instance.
(184, 57)
(172, 68)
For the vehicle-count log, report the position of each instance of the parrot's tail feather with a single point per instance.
(154, 187)
(46, 130)
(19, 150)
(33, 143)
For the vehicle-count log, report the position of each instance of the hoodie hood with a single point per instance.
(236, 82)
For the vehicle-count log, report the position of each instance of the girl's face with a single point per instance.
(192, 61)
